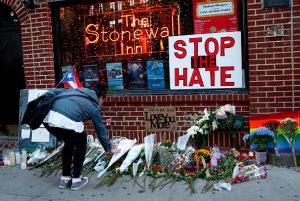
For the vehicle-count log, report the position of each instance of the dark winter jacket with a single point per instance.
(78, 108)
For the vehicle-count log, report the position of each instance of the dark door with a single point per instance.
(11, 70)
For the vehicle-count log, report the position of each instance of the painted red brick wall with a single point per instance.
(36, 33)
(274, 62)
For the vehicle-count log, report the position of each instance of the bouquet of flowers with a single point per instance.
(288, 128)
(223, 118)
(260, 139)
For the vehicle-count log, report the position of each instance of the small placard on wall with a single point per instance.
(276, 3)
(160, 118)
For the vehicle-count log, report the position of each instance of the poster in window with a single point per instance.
(65, 69)
(215, 16)
(155, 74)
(114, 76)
(136, 75)
(90, 75)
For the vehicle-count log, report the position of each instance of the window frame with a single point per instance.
(242, 27)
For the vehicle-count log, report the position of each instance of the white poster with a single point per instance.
(206, 61)
(34, 93)
(40, 135)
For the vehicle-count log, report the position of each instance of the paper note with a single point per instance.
(34, 93)
(40, 135)
(25, 133)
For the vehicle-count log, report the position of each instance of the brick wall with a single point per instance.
(36, 33)
(274, 71)
(274, 62)
(127, 114)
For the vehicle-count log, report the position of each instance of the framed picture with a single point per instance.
(136, 75)
(114, 76)
(90, 75)
(155, 74)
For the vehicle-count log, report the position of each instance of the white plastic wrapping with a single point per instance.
(182, 141)
(149, 144)
(123, 146)
(133, 153)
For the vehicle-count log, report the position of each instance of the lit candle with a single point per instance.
(251, 154)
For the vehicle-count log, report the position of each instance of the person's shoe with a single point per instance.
(78, 183)
(65, 182)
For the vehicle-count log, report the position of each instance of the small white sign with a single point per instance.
(217, 8)
(25, 133)
(40, 135)
(34, 93)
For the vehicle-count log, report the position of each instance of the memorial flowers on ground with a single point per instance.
(165, 165)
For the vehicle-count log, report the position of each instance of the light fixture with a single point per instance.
(251, 154)
(29, 3)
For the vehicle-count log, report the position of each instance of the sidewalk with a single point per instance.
(282, 184)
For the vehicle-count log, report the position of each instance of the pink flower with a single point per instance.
(221, 114)
(227, 108)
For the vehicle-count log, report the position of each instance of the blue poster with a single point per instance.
(114, 76)
(155, 72)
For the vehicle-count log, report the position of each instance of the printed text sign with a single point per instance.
(205, 61)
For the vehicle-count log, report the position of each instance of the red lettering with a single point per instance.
(195, 41)
(224, 45)
(181, 77)
(182, 49)
(224, 75)
(196, 78)
(212, 71)
(216, 46)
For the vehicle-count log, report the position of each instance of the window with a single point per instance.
(124, 44)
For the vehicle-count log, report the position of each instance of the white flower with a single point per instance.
(286, 120)
(193, 130)
(214, 125)
(199, 121)
(206, 115)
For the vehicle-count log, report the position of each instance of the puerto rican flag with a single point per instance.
(70, 80)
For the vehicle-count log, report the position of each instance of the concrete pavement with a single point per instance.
(282, 184)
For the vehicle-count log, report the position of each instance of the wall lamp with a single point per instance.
(29, 3)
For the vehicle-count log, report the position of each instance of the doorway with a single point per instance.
(11, 71)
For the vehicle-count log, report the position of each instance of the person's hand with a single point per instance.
(115, 151)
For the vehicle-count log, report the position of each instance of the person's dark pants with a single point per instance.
(74, 145)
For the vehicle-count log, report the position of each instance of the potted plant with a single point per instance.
(261, 140)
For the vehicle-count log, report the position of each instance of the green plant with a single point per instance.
(288, 129)
(260, 138)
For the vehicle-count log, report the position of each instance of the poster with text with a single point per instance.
(206, 61)
(214, 16)
(155, 74)
(114, 76)
(90, 75)
(136, 75)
